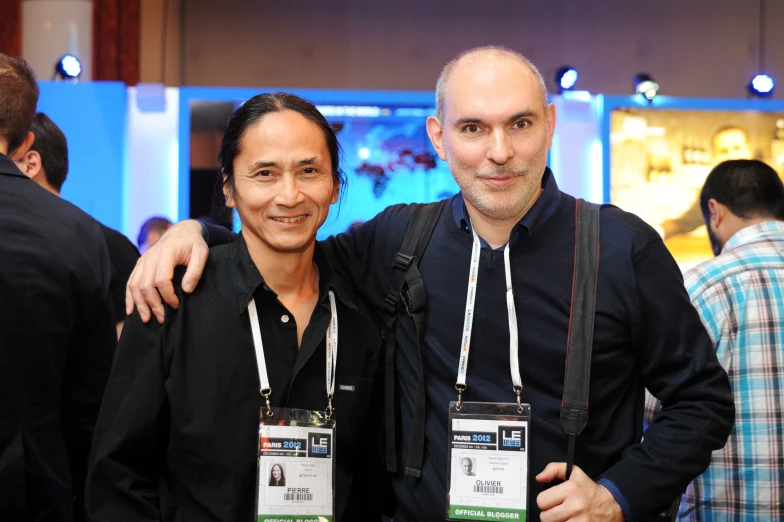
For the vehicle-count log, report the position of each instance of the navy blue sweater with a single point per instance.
(647, 334)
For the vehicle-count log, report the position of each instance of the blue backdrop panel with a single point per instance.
(93, 118)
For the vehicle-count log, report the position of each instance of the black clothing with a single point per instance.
(123, 256)
(57, 338)
(177, 435)
(647, 334)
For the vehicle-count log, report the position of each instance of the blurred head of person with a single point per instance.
(151, 232)
(280, 169)
(738, 194)
(731, 143)
(46, 161)
(18, 99)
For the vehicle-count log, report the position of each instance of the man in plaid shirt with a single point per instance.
(740, 298)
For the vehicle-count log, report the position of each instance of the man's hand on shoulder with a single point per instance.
(182, 244)
(579, 499)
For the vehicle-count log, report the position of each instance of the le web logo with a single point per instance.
(512, 438)
(319, 445)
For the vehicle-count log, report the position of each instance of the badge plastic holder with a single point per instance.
(295, 476)
(487, 468)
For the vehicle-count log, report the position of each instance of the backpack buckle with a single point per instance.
(402, 261)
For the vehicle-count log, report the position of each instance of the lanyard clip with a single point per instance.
(329, 407)
(518, 390)
(266, 394)
(460, 389)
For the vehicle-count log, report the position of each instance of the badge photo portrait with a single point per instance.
(277, 474)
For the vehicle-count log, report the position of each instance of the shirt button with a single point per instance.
(284, 318)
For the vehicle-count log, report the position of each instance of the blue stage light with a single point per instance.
(565, 78)
(761, 85)
(69, 67)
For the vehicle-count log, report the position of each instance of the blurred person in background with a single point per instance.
(46, 163)
(151, 232)
(57, 334)
(738, 295)
(729, 143)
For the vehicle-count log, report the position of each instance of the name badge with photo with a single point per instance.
(296, 466)
(488, 462)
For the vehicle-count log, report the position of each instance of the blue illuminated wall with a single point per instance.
(93, 118)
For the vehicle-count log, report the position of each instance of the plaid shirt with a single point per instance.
(740, 298)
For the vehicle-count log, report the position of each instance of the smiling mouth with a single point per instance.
(289, 219)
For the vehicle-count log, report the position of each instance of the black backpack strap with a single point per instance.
(574, 408)
(408, 295)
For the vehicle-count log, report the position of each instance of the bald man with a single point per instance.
(468, 466)
(494, 127)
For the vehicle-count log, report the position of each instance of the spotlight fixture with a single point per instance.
(645, 85)
(761, 86)
(565, 78)
(68, 68)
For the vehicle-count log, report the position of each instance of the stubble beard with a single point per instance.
(498, 203)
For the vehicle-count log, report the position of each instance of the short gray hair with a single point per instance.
(495, 51)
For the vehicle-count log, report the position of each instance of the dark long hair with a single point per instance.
(282, 481)
(250, 113)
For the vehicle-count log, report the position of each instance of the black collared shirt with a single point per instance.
(177, 435)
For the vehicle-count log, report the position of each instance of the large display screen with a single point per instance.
(659, 160)
(387, 159)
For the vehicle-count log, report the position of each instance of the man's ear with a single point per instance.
(435, 132)
(228, 193)
(33, 166)
(550, 118)
(18, 153)
(716, 213)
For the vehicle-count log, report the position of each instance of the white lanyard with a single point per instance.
(332, 353)
(473, 276)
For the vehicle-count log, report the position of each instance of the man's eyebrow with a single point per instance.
(307, 161)
(527, 113)
(465, 121)
(261, 164)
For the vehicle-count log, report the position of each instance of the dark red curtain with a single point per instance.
(116, 40)
(11, 27)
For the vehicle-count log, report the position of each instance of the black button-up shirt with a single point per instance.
(177, 435)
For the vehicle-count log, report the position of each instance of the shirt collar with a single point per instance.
(247, 278)
(752, 234)
(537, 215)
(7, 166)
